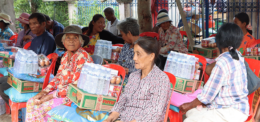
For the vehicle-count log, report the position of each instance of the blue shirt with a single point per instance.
(57, 28)
(43, 44)
(6, 33)
(227, 85)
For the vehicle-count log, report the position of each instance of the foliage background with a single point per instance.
(55, 10)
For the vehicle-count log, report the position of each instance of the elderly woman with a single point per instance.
(170, 37)
(5, 31)
(225, 93)
(26, 34)
(96, 31)
(69, 71)
(129, 30)
(148, 90)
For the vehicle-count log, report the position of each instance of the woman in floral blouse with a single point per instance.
(170, 37)
(69, 71)
(129, 30)
(148, 90)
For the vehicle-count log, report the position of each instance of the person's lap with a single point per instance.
(4, 86)
(215, 115)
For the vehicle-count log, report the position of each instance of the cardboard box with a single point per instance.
(23, 86)
(85, 100)
(186, 86)
(4, 55)
(253, 57)
(8, 62)
(206, 52)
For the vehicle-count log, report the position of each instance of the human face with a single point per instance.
(71, 42)
(165, 26)
(142, 59)
(2, 24)
(36, 27)
(239, 23)
(108, 16)
(126, 37)
(48, 25)
(99, 25)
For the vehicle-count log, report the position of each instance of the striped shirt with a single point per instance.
(146, 99)
(227, 85)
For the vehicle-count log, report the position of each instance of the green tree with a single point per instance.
(55, 10)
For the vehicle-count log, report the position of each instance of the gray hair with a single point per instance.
(109, 10)
(80, 39)
(129, 25)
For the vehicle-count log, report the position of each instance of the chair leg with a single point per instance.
(14, 111)
(7, 109)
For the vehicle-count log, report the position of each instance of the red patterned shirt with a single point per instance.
(171, 40)
(146, 99)
(68, 72)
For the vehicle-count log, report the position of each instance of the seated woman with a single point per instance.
(26, 34)
(129, 30)
(225, 93)
(170, 37)
(242, 20)
(5, 31)
(96, 31)
(69, 71)
(147, 92)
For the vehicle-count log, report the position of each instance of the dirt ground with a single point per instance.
(5, 118)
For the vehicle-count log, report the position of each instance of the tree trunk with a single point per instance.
(33, 6)
(7, 7)
(144, 15)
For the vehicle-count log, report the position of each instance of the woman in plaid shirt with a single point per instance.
(225, 93)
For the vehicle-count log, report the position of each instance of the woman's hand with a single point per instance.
(112, 117)
(40, 95)
(126, 70)
(44, 99)
(133, 121)
(27, 37)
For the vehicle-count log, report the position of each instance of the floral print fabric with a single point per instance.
(90, 48)
(68, 72)
(6, 33)
(170, 40)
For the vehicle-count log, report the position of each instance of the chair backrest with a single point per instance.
(203, 61)
(97, 59)
(119, 45)
(172, 79)
(26, 46)
(53, 57)
(150, 34)
(213, 35)
(14, 38)
(183, 33)
(254, 65)
(121, 72)
(256, 42)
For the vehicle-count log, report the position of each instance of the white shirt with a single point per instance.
(113, 28)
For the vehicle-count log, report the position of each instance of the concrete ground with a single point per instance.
(5, 118)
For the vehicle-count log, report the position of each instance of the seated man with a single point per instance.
(112, 21)
(53, 27)
(44, 42)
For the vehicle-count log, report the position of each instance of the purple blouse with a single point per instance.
(20, 43)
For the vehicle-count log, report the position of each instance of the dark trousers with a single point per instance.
(160, 62)
(4, 86)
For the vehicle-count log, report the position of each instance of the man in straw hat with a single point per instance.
(72, 62)
(44, 42)
(5, 31)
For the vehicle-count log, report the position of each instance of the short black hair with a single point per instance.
(149, 45)
(229, 36)
(243, 17)
(40, 17)
(47, 17)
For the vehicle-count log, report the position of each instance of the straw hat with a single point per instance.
(162, 17)
(6, 18)
(24, 18)
(73, 29)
